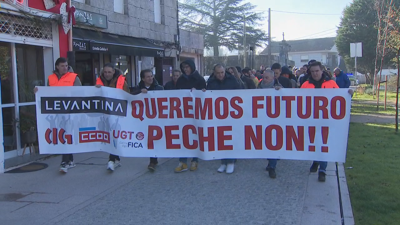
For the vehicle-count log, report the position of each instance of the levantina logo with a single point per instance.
(52, 136)
(69, 105)
(90, 134)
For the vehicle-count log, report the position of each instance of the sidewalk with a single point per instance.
(89, 194)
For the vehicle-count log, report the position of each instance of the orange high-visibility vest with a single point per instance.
(67, 79)
(120, 82)
(326, 84)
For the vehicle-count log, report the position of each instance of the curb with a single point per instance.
(346, 209)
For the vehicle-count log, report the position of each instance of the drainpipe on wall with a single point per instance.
(178, 38)
(1, 138)
(70, 53)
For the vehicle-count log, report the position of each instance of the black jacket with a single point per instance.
(153, 87)
(286, 83)
(248, 82)
(194, 80)
(170, 85)
(228, 83)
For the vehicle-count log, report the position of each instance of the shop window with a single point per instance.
(7, 79)
(119, 6)
(9, 129)
(27, 124)
(123, 63)
(30, 71)
(157, 11)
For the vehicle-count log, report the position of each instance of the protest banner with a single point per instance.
(297, 124)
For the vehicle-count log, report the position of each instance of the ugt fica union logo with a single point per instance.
(53, 136)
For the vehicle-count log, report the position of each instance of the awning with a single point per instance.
(95, 41)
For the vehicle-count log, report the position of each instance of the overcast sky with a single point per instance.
(302, 26)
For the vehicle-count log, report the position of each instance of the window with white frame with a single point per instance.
(119, 6)
(157, 11)
(304, 58)
(323, 59)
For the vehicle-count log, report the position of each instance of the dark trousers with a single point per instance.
(153, 160)
(113, 158)
(66, 158)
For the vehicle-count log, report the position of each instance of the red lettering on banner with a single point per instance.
(277, 107)
(201, 110)
(210, 139)
(325, 134)
(185, 137)
(292, 137)
(236, 107)
(151, 112)
(169, 137)
(153, 136)
(256, 106)
(279, 137)
(342, 107)
(288, 100)
(224, 112)
(187, 107)
(222, 137)
(253, 138)
(123, 134)
(175, 106)
(318, 107)
(311, 136)
(300, 109)
(137, 112)
(162, 108)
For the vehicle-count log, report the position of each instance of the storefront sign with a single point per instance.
(91, 19)
(80, 45)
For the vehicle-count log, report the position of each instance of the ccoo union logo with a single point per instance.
(90, 134)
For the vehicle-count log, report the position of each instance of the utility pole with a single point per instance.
(244, 42)
(269, 39)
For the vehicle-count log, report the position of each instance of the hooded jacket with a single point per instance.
(189, 81)
(170, 85)
(342, 80)
(228, 83)
(113, 82)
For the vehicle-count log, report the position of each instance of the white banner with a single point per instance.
(303, 124)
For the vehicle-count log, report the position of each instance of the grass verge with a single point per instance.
(373, 180)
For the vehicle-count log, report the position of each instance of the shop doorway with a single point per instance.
(87, 66)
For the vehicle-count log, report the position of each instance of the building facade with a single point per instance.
(302, 51)
(131, 34)
(192, 47)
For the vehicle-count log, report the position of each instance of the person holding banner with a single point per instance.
(148, 83)
(319, 79)
(223, 80)
(114, 78)
(269, 81)
(63, 76)
(190, 80)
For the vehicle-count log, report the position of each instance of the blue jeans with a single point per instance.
(184, 160)
(227, 161)
(272, 163)
(322, 166)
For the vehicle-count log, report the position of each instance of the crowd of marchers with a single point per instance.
(312, 75)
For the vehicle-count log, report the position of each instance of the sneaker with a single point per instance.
(193, 166)
(222, 168)
(321, 177)
(111, 166)
(71, 165)
(271, 173)
(182, 167)
(314, 167)
(64, 168)
(152, 167)
(230, 168)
